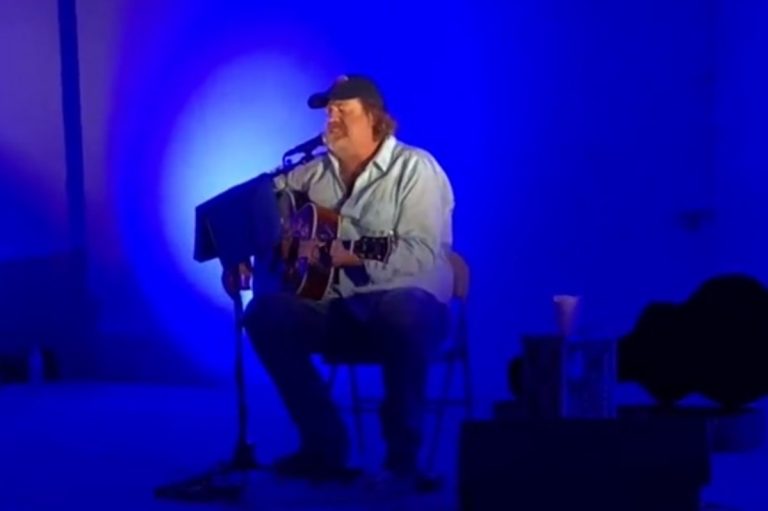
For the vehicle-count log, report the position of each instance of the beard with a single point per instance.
(335, 131)
(335, 138)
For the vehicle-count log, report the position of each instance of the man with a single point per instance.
(394, 311)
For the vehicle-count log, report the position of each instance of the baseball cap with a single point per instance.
(348, 87)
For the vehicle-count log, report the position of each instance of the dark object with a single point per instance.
(565, 378)
(515, 376)
(714, 344)
(13, 368)
(72, 120)
(653, 463)
(728, 431)
(18, 366)
(738, 431)
(306, 466)
(238, 224)
(214, 486)
(25, 324)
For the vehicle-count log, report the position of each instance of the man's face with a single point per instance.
(348, 124)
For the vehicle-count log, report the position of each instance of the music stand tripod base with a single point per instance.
(219, 484)
(243, 457)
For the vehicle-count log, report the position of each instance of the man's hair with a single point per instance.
(383, 123)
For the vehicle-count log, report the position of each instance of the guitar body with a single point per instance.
(310, 222)
(305, 220)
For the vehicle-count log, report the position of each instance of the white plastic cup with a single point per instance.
(567, 309)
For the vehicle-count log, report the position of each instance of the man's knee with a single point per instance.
(284, 322)
(405, 303)
(269, 314)
(412, 317)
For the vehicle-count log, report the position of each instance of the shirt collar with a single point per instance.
(384, 155)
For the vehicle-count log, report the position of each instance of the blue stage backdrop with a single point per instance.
(613, 151)
(33, 200)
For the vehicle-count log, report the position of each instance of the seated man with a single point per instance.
(394, 311)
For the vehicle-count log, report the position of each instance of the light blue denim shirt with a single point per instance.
(402, 191)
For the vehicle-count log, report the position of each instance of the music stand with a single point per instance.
(217, 484)
(240, 224)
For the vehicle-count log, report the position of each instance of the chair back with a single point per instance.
(457, 342)
(460, 276)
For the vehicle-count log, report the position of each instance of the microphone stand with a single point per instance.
(243, 458)
(216, 485)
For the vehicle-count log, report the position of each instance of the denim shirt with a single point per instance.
(403, 191)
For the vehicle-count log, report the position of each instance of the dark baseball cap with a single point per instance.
(348, 87)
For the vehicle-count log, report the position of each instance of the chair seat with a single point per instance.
(448, 351)
(350, 359)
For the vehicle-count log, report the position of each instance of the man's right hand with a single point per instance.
(237, 279)
(305, 249)
(310, 249)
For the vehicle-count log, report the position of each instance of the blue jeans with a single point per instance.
(398, 329)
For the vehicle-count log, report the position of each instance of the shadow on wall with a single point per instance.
(42, 296)
(28, 227)
(45, 301)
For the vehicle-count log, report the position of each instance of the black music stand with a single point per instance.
(241, 224)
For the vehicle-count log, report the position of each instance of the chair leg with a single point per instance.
(469, 397)
(357, 408)
(331, 381)
(439, 414)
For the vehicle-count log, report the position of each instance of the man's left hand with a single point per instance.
(340, 256)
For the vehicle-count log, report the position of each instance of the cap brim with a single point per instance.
(319, 100)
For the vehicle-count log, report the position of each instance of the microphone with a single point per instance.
(307, 147)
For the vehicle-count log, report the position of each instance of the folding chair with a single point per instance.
(455, 352)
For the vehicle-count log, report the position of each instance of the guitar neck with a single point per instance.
(356, 248)
(371, 248)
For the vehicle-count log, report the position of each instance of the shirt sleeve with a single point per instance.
(423, 206)
(298, 179)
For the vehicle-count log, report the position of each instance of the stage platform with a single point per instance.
(96, 447)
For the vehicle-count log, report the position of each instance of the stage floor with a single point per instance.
(100, 447)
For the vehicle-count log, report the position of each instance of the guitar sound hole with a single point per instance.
(326, 234)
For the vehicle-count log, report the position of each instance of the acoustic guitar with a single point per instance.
(305, 220)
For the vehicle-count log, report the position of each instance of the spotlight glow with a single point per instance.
(235, 127)
(231, 126)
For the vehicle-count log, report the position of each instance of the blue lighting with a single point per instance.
(215, 98)
(211, 100)
(233, 128)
